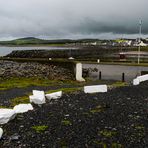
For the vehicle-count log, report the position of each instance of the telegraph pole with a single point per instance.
(140, 27)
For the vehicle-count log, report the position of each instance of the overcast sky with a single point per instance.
(72, 18)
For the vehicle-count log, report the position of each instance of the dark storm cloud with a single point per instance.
(90, 26)
(71, 18)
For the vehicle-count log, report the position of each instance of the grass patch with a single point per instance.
(40, 128)
(4, 107)
(119, 84)
(66, 90)
(24, 82)
(66, 122)
(20, 100)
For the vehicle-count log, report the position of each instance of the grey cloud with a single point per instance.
(69, 18)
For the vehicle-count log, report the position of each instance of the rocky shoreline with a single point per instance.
(115, 119)
(9, 69)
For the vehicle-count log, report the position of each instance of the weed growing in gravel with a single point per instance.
(98, 143)
(108, 133)
(104, 145)
(40, 128)
(116, 145)
(138, 133)
(66, 122)
(97, 109)
(63, 143)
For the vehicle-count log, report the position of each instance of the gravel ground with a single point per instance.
(116, 119)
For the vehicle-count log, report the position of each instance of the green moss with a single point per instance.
(63, 143)
(104, 145)
(97, 109)
(66, 122)
(40, 128)
(107, 133)
(98, 143)
(19, 100)
(116, 145)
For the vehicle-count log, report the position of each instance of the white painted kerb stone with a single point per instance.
(79, 72)
(54, 95)
(1, 133)
(22, 108)
(136, 82)
(140, 79)
(6, 115)
(95, 89)
(38, 97)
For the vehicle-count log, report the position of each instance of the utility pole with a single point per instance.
(140, 27)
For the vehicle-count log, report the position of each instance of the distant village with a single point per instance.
(117, 42)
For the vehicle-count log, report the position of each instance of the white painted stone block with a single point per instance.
(71, 58)
(1, 133)
(54, 95)
(143, 78)
(136, 82)
(95, 89)
(50, 59)
(140, 79)
(79, 72)
(22, 108)
(6, 115)
(38, 97)
(98, 61)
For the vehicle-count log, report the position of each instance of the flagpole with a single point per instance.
(140, 26)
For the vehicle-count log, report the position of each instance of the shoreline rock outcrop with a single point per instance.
(10, 69)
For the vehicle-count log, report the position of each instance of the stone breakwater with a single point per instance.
(10, 69)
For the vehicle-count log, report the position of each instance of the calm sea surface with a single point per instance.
(6, 50)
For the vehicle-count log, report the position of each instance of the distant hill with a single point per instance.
(34, 41)
(37, 41)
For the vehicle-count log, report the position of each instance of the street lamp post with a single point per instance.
(140, 26)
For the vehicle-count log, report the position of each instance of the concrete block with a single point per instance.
(95, 89)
